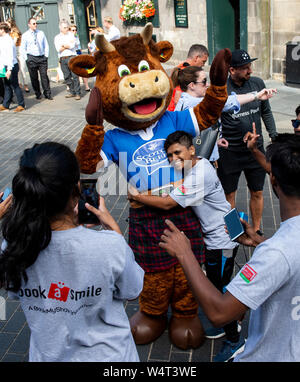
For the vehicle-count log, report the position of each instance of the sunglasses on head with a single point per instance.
(295, 123)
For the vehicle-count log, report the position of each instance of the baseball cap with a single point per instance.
(240, 57)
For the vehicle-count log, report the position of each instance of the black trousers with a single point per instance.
(1, 87)
(39, 65)
(219, 271)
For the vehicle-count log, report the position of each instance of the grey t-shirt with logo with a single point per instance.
(269, 284)
(202, 190)
(74, 298)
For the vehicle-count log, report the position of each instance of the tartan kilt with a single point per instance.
(146, 225)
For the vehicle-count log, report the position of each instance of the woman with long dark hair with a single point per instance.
(71, 281)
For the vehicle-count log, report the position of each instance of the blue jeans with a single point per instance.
(12, 86)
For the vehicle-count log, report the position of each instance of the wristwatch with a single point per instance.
(255, 95)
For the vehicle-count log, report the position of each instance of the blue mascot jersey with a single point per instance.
(140, 154)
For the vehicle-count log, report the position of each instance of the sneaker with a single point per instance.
(2, 108)
(19, 108)
(229, 350)
(77, 97)
(70, 95)
(214, 333)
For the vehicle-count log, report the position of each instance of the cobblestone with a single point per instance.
(63, 120)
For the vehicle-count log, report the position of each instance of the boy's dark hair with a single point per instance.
(297, 111)
(284, 155)
(180, 137)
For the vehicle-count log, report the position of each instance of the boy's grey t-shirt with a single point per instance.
(202, 190)
(74, 298)
(269, 284)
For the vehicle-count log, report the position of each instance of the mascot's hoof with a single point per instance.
(146, 328)
(186, 333)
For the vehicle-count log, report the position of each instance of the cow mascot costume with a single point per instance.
(132, 92)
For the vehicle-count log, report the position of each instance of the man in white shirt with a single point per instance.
(8, 60)
(35, 51)
(65, 44)
(113, 31)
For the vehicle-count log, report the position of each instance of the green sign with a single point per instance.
(181, 14)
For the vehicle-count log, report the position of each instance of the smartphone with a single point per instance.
(6, 193)
(89, 195)
(233, 224)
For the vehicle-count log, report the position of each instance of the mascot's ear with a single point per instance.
(83, 65)
(165, 50)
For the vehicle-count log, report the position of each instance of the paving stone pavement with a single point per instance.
(62, 120)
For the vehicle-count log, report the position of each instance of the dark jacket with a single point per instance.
(235, 126)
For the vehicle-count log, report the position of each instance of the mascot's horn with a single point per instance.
(103, 45)
(147, 33)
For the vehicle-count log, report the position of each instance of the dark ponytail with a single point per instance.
(47, 177)
(183, 77)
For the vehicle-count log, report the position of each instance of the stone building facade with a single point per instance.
(263, 27)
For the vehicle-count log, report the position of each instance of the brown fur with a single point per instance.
(164, 288)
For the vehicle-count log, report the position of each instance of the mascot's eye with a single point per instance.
(123, 70)
(143, 65)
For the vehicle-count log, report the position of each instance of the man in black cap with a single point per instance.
(237, 158)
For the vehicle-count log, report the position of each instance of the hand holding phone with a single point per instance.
(89, 195)
(5, 201)
(6, 193)
(233, 224)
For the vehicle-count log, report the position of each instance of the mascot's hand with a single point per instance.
(94, 111)
(219, 68)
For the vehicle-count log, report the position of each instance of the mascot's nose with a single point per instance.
(138, 86)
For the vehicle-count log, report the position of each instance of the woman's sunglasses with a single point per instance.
(203, 82)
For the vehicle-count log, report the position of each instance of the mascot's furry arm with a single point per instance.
(91, 141)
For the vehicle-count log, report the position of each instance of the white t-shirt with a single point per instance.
(74, 298)
(269, 284)
(202, 190)
(113, 34)
(65, 39)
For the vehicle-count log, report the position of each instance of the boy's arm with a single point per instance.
(219, 308)
(162, 202)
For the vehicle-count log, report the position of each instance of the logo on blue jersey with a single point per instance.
(151, 155)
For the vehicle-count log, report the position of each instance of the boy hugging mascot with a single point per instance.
(132, 92)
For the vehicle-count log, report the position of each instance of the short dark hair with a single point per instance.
(199, 49)
(284, 155)
(31, 18)
(5, 27)
(297, 111)
(180, 137)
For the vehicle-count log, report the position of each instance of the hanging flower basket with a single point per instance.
(136, 10)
